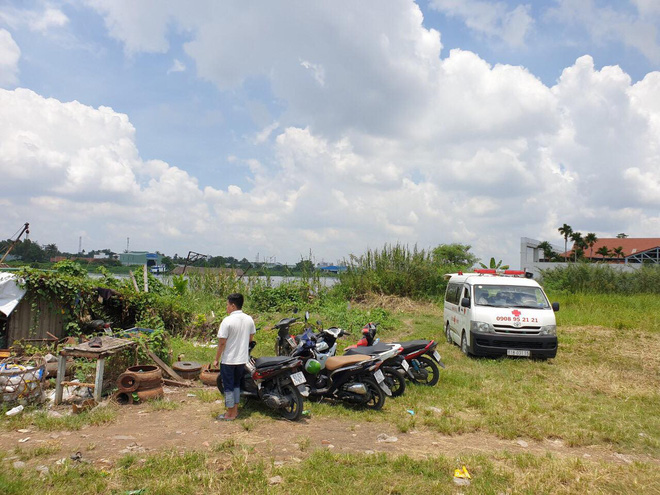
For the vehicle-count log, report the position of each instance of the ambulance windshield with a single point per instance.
(509, 296)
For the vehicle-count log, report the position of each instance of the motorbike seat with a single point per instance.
(336, 362)
(413, 345)
(368, 350)
(265, 362)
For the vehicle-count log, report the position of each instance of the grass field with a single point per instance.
(602, 389)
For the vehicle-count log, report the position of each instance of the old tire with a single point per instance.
(209, 375)
(428, 373)
(395, 380)
(376, 399)
(123, 398)
(151, 394)
(149, 377)
(188, 370)
(294, 410)
(128, 382)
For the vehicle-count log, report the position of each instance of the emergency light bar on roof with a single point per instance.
(492, 271)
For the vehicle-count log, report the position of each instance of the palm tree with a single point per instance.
(591, 239)
(565, 230)
(618, 251)
(604, 252)
(548, 252)
(576, 237)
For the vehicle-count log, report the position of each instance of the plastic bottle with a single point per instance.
(14, 411)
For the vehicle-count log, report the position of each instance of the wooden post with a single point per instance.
(98, 383)
(61, 370)
(146, 279)
(130, 272)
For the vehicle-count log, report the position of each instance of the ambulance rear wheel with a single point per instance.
(448, 334)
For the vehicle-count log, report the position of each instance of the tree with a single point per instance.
(621, 236)
(548, 252)
(565, 230)
(576, 237)
(495, 265)
(51, 251)
(618, 251)
(305, 266)
(604, 252)
(454, 254)
(590, 239)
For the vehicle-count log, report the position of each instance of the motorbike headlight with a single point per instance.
(481, 326)
(548, 330)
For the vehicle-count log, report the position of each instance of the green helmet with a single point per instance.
(312, 366)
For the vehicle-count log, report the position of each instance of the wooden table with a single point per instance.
(109, 346)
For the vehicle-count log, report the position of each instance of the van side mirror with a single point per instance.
(555, 306)
(465, 302)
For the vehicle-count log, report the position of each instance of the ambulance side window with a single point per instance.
(452, 293)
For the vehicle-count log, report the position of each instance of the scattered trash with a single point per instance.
(42, 470)
(14, 411)
(23, 430)
(384, 437)
(369, 452)
(411, 412)
(462, 476)
(307, 413)
(19, 464)
(275, 480)
(325, 442)
(624, 458)
(77, 457)
(136, 492)
(436, 410)
(192, 395)
(23, 440)
(522, 443)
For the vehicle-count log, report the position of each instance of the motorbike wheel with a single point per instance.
(376, 394)
(395, 380)
(428, 373)
(219, 384)
(294, 410)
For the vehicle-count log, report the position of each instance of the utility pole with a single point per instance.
(80, 245)
(127, 241)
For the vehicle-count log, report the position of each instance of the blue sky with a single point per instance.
(282, 129)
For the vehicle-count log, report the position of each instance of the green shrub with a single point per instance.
(603, 279)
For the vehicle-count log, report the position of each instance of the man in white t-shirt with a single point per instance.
(234, 337)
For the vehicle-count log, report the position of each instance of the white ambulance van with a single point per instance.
(500, 313)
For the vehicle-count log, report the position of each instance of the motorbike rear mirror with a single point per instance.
(306, 315)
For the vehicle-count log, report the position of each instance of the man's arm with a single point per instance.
(222, 343)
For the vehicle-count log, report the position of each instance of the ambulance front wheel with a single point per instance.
(464, 344)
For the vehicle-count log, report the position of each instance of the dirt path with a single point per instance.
(141, 430)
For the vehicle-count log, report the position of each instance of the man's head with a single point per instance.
(234, 301)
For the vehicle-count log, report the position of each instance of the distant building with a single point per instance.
(639, 250)
(140, 258)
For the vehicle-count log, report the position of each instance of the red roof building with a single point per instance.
(633, 250)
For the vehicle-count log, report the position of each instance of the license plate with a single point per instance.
(405, 365)
(518, 352)
(291, 341)
(379, 376)
(298, 378)
(436, 355)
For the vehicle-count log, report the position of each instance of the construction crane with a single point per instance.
(192, 257)
(24, 230)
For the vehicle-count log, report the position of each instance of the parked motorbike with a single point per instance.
(419, 356)
(353, 379)
(276, 381)
(392, 368)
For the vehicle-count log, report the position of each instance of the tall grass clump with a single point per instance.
(603, 279)
(394, 270)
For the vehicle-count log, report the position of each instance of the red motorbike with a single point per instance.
(418, 358)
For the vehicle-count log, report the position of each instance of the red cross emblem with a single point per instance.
(515, 312)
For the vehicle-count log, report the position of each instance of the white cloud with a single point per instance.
(10, 54)
(177, 66)
(639, 31)
(491, 19)
(41, 21)
(397, 144)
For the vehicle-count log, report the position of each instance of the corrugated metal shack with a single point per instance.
(20, 319)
